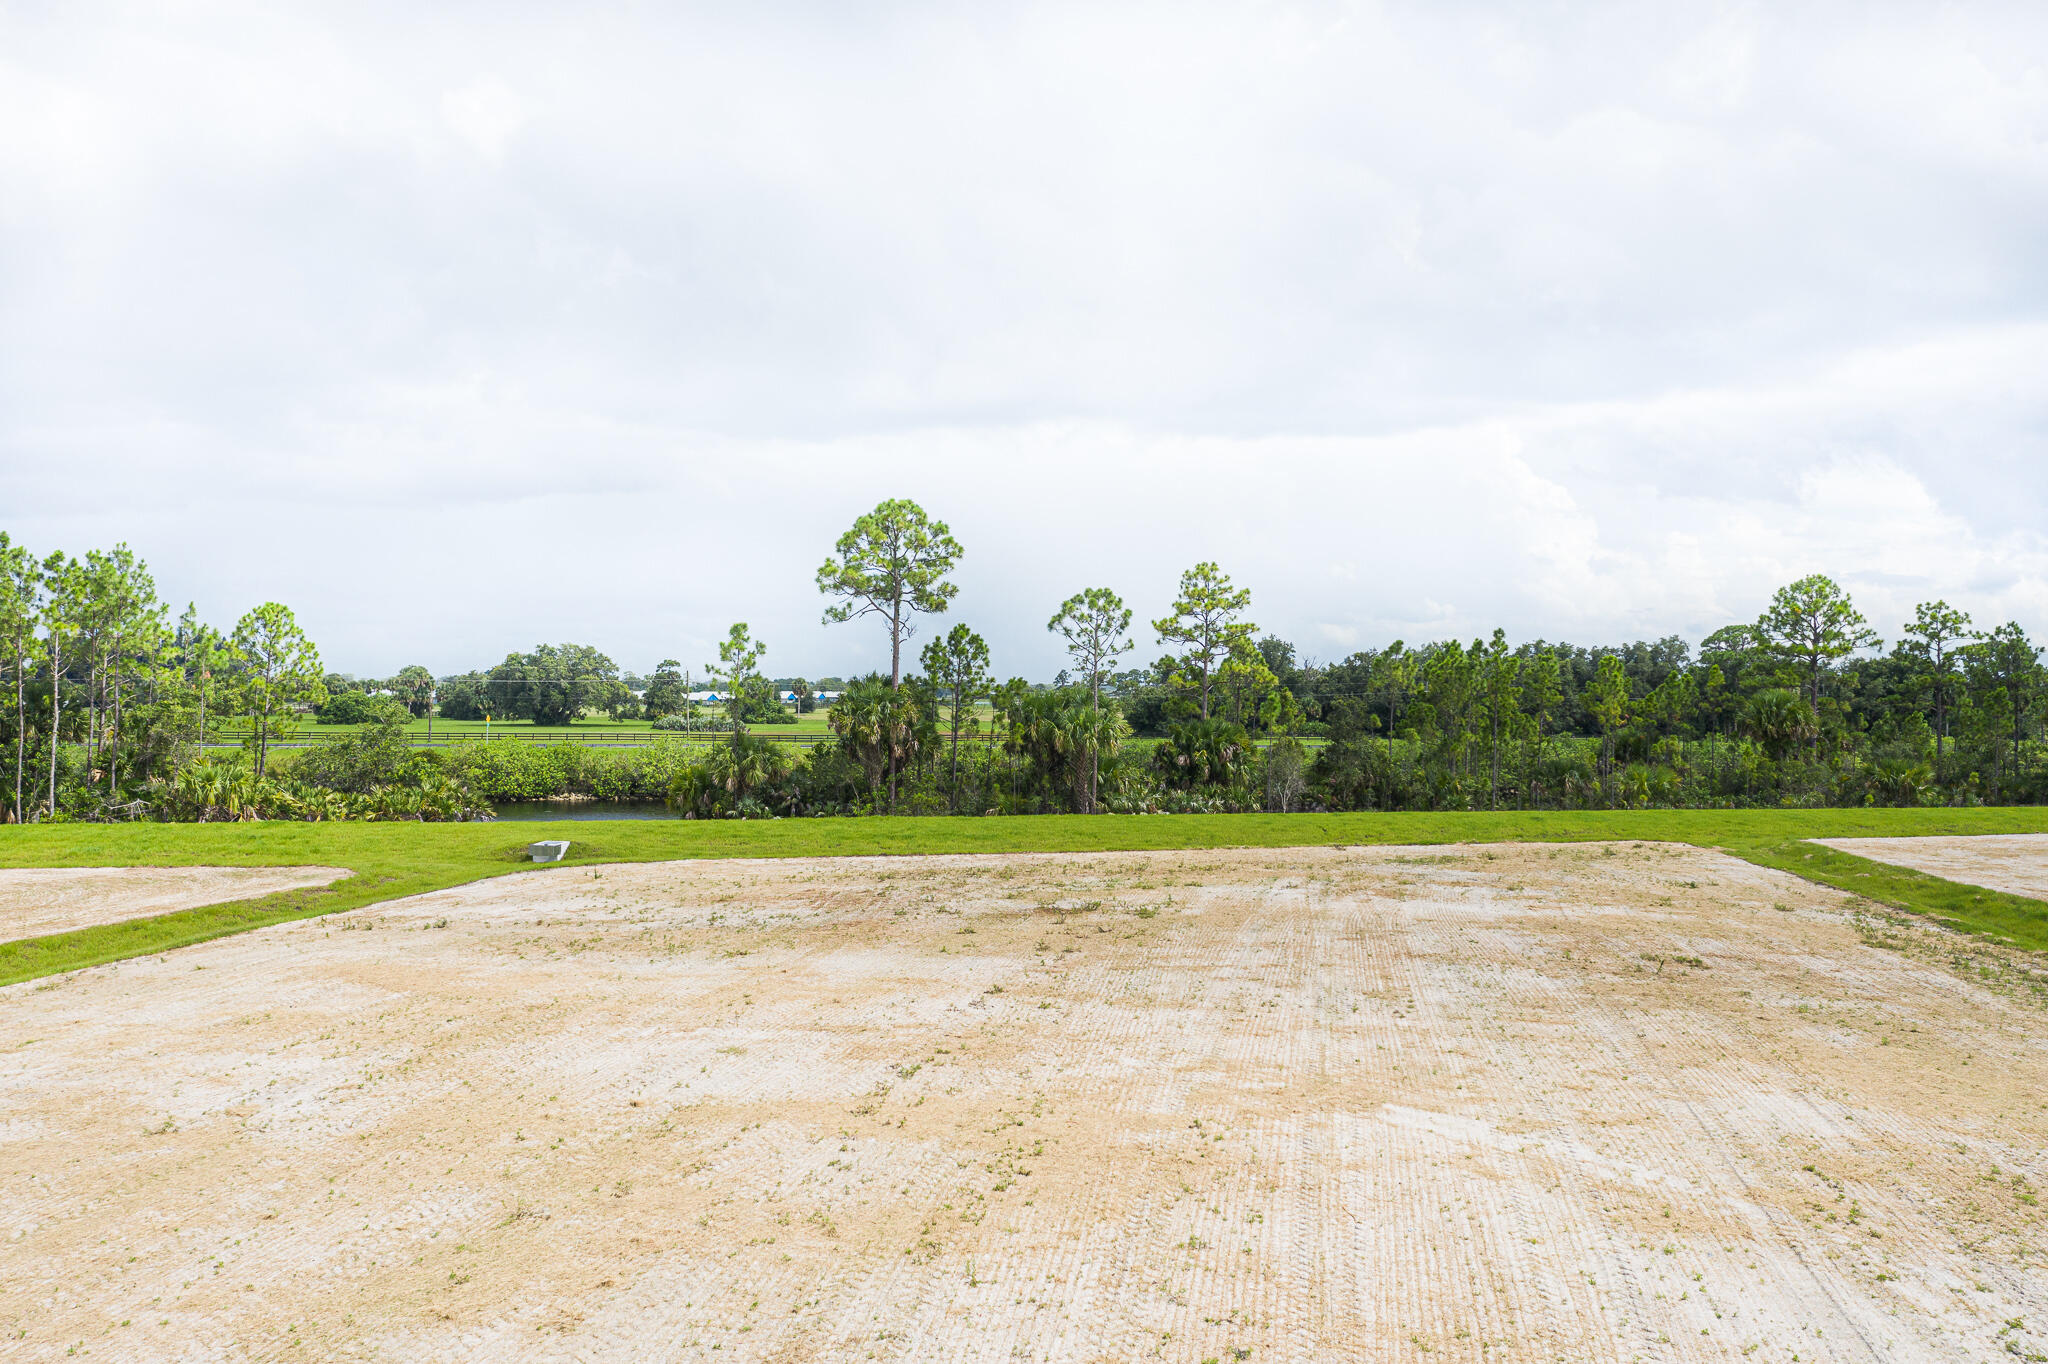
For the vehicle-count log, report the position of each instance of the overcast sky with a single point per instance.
(460, 332)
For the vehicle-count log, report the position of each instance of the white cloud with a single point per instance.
(1589, 321)
(484, 113)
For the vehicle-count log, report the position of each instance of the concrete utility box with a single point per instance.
(551, 850)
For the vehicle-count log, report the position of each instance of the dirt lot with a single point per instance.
(1512, 1103)
(39, 900)
(2014, 863)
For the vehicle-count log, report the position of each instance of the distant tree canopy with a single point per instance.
(552, 685)
(413, 688)
(358, 708)
(667, 692)
(462, 696)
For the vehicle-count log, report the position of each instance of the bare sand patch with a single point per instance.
(1591, 1102)
(39, 900)
(2014, 863)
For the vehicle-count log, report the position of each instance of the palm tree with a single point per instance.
(1778, 718)
(881, 728)
(728, 776)
(1204, 753)
(1899, 782)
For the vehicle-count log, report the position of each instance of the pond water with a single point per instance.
(528, 810)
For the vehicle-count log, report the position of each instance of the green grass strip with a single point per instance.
(394, 860)
(2015, 919)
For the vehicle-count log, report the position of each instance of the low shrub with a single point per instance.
(522, 771)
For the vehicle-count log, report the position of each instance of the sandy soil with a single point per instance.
(39, 900)
(1512, 1103)
(2014, 863)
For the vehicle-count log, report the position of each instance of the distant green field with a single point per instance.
(816, 725)
(392, 860)
(589, 728)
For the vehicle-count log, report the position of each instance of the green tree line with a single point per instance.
(110, 699)
(112, 704)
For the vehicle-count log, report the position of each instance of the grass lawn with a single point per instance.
(392, 860)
